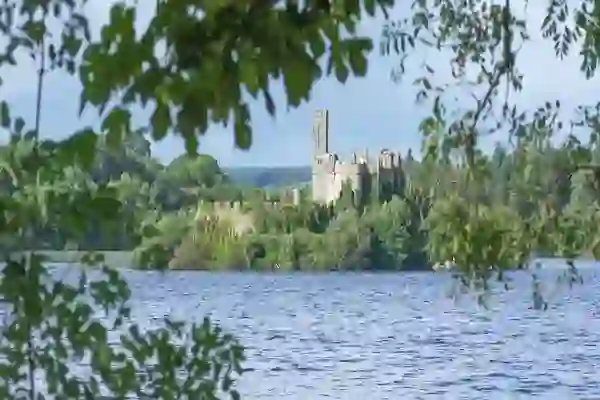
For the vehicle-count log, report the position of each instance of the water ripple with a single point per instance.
(389, 336)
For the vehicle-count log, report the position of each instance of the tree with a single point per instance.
(198, 171)
(210, 58)
(483, 42)
(222, 44)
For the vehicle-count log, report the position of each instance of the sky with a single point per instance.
(371, 112)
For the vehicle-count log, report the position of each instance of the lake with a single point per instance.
(391, 336)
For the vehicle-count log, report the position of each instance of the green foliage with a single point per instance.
(52, 325)
(522, 204)
(543, 187)
(193, 172)
(240, 45)
(210, 244)
(473, 236)
(47, 191)
(399, 232)
(305, 237)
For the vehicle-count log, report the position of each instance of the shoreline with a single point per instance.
(113, 258)
(124, 260)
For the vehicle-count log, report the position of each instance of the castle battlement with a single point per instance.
(389, 159)
(237, 207)
(331, 163)
(219, 207)
(330, 173)
(385, 159)
(216, 207)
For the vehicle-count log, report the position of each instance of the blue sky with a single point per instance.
(370, 112)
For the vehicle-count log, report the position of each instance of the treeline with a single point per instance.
(390, 231)
(265, 177)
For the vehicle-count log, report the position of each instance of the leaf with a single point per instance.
(358, 63)
(191, 145)
(249, 76)
(82, 103)
(105, 208)
(243, 132)
(116, 126)
(97, 331)
(370, 7)
(80, 148)
(19, 125)
(341, 72)
(297, 81)
(4, 115)
(269, 103)
(426, 84)
(160, 121)
(317, 46)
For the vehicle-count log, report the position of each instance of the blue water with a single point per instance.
(384, 336)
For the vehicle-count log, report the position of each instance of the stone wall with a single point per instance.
(330, 175)
(236, 213)
(232, 212)
(217, 207)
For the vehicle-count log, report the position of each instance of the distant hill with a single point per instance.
(269, 176)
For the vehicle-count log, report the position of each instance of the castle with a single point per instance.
(381, 176)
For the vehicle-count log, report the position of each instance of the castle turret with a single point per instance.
(321, 133)
(323, 165)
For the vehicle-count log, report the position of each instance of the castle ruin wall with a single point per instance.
(329, 173)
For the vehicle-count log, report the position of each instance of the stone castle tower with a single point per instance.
(381, 176)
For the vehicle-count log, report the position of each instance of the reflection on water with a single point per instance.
(389, 336)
